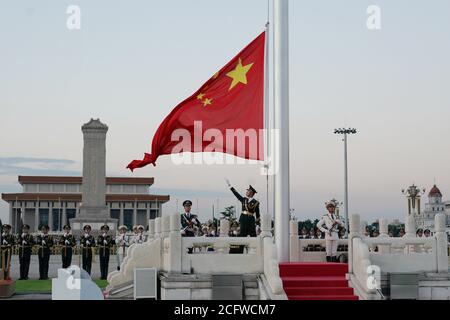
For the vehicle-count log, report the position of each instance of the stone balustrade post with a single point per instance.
(158, 228)
(355, 232)
(165, 226)
(294, 255)
(384, 233)
(151, 229)
(410, 232)
(224, 228)
(175, 244)
(441, 243)
(266, 226)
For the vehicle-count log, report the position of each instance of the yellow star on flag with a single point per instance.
(207, 102)
(200, 96)
(239, 75)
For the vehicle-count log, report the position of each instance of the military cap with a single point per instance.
(140, 227)
(67, 227)
(87, 227)
(25, 226)
(330, 204)
(123, 228)
(46, 227)
(187, 203)
(7, 226)
(104, 227)
(250, 188)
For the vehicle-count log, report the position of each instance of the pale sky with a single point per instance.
(133, 61)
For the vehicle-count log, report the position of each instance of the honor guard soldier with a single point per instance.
(45, 243)
(189, 221)
(104, 242)
(139, 238)
(67, 242)
(329, 224)
(6, 251)
(87, 243)
(25, 242)
(122, 245)
(250, 211)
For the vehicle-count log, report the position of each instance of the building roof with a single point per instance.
(64, 197)
(78, 180)
(435, 192)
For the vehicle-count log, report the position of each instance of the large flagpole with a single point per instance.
(281, 99)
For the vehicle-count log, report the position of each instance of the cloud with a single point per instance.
(36, 166)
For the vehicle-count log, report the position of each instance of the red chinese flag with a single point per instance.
(226, 111)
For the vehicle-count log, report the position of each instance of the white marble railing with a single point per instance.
(171, 253)
(368, 256)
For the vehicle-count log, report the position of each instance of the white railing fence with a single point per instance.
(388, 255)
(169, 252)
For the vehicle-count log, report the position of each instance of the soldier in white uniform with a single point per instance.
(329, 225)
(139, 237)
(122, 245)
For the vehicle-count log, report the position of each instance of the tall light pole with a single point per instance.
(345, 132)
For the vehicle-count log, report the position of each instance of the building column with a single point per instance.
(50, 216)
(64, 214)
(149, 205)
(36, 217)
(11, 210)
(121, 220)
(135, 214)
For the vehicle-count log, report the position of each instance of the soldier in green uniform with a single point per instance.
(45, 243)
(104, 242)
(87, 242)
(67, 242)
(25, 242)
(5, 252)
(250, 216)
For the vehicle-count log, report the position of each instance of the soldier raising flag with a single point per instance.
(250, 216)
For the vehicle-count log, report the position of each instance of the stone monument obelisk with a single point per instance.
(93, 210)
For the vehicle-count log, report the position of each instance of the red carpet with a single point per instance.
(316, 281)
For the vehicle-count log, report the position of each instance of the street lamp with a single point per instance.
(345, 132)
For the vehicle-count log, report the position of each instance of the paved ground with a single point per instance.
(33, 296)
(55, 264)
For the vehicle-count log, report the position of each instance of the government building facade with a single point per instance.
(54, 200)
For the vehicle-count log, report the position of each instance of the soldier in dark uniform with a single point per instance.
(5, 251)
(189, 221)
(104, 242)
(45, 242)
(25, 242)
(67, 242)
(87, 242)
(250, 216)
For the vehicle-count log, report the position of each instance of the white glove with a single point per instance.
(4, 242)
(88, 242)
(43, 242)
(228, 182)
(105, 242)
(183, 232)
(67, 242)
(194, 220)
(24, 242)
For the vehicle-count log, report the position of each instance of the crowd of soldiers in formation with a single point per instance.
(44, 245)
